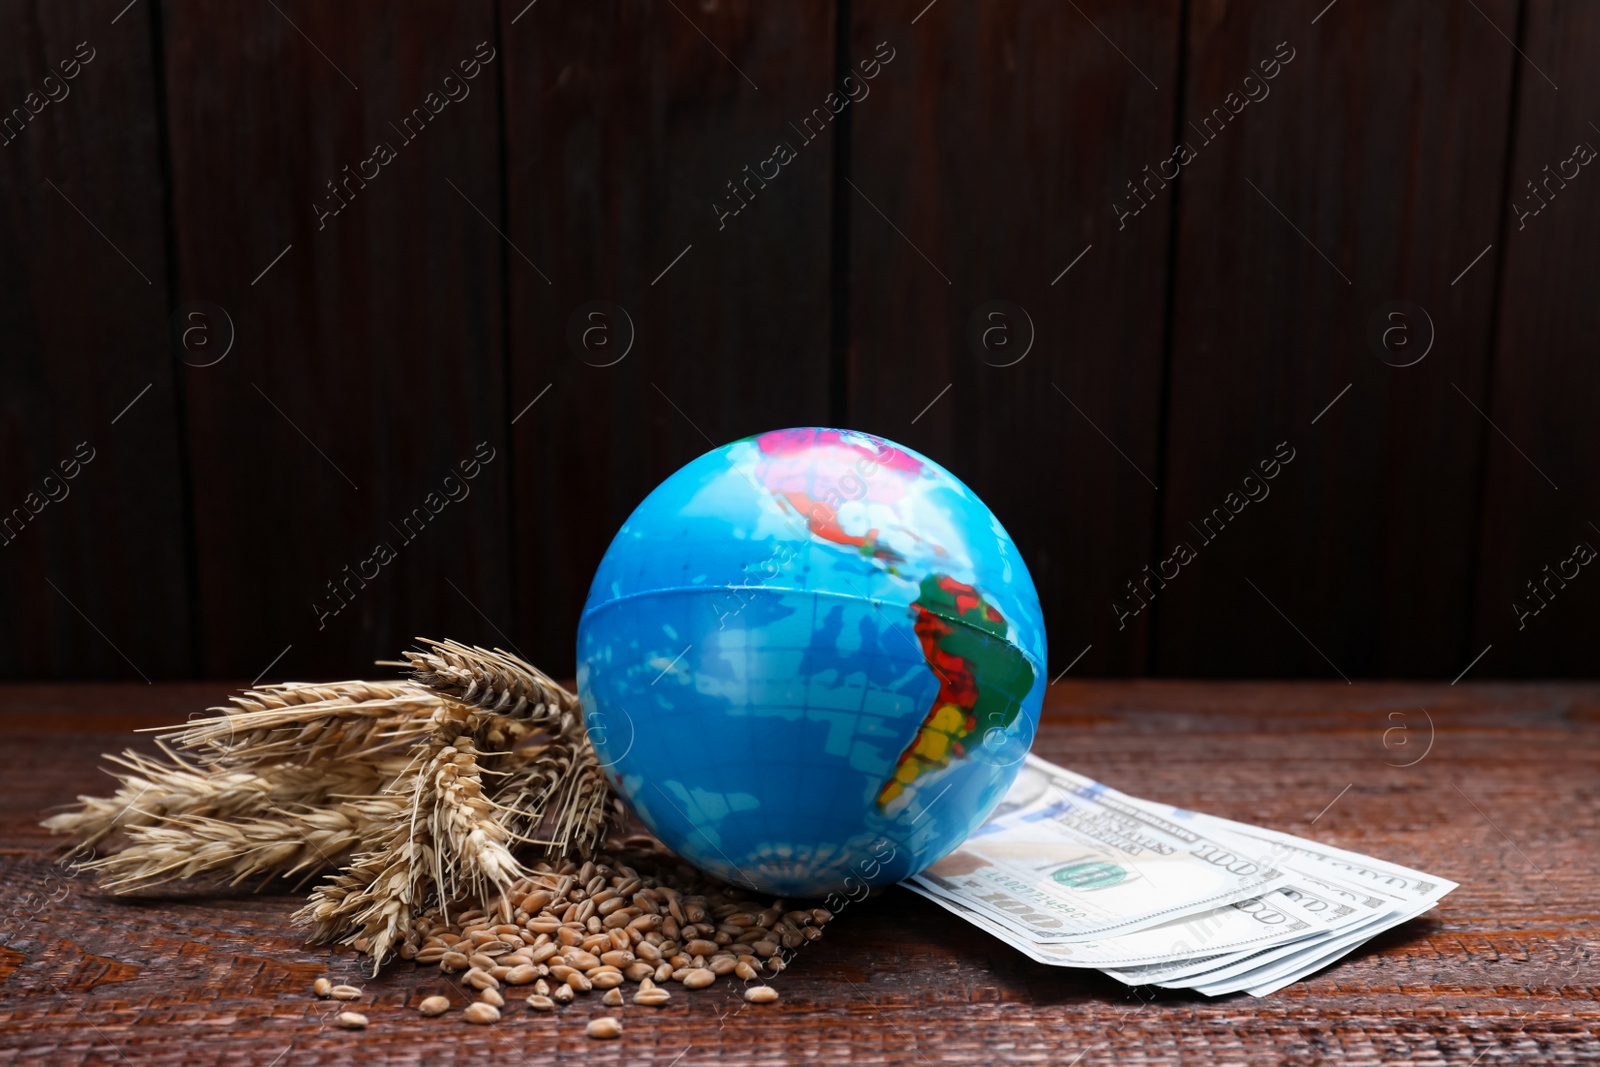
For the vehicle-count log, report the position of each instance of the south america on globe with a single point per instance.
(812, 662)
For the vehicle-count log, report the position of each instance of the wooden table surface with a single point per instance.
(1501, 796)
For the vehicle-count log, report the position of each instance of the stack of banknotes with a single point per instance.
(1075, 874)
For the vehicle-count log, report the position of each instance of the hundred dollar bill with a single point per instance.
(1246, 925)
(1047, 869)
(1333, 908)
(1083, 862)
(1369, 872)
(1273, 977)
(1031, 793)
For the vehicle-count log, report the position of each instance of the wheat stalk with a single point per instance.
(523, 793)
(152, 791)
(376, 898)
(586, 811)
(315, 724)
(494, 681)
(283, 844)
(472, 854)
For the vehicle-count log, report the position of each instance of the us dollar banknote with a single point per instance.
(1073, 873)
(1233, 928)
(1083, 862)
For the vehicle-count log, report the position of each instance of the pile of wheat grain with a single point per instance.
(638, 917)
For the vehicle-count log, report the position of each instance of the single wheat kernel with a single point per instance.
(540, 1002)
(434, 1005)
(563, 994)
(350, 1020)
(479, 1012)
(322, 988)
(612, 999)
(480, 979)
(345, 992)
(761, 994)
(698, 978)
(604, 1028)
(652, 998)
(492, 996)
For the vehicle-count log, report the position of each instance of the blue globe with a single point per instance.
(812, 662)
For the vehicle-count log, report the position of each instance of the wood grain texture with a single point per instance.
(1542, 470)
(1504, 801)
(89, 551)
(983, 164)
(369, 361)
(626, 123)
(1209, 318)
(1368, 172)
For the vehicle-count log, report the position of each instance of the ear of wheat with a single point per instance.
(153, 791)
(314, 724)
(417, 793)
(494, 681)
(283, 844)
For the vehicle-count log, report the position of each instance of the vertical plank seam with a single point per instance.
(839, 233)
(1498, 288)
(180, 391)
(1152, 665)
(508, 475)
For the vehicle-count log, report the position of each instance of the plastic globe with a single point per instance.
(812, 662)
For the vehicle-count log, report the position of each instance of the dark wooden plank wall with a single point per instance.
(585, 170)
(1543, 471)
(370, 359)
(92, 554)
(1369, 172)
